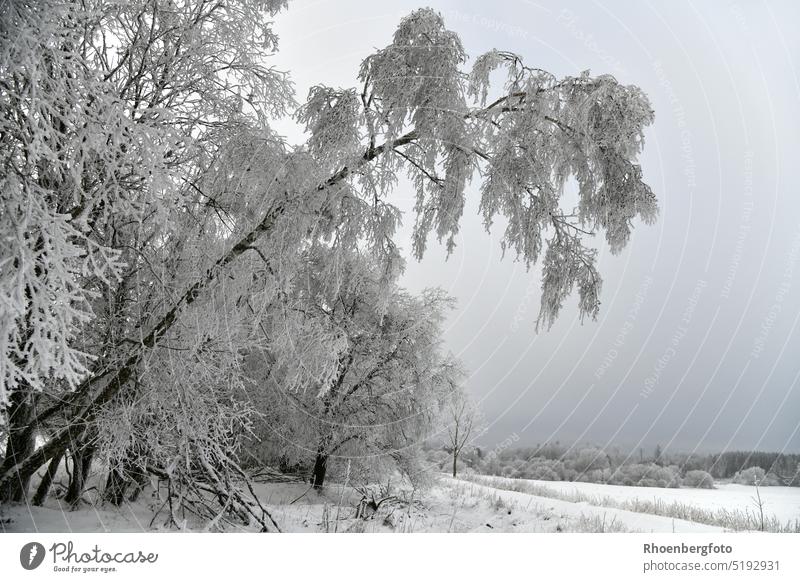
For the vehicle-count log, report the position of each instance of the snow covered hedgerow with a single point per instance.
(698, 479)
(646, 475)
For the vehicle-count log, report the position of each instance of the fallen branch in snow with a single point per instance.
(368, 506)
(213, 495)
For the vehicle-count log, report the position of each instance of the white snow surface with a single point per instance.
(783, 502)
(451, 505)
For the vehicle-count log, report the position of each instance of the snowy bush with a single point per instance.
(646, 475)
(546, 470)
(755, 476)
(598, 476)
(569, 474)
(439, 459)
(507, 471)
(698, 479)
(591, 459)
(544, 473)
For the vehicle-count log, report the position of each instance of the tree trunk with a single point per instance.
(116, 484)
(139, 481)
(76, 480)
(47, 480)
(320, 467)
(65, 438)
(82, 458)
(455, 460)
(20, 444)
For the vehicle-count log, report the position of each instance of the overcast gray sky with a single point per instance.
(697, 344)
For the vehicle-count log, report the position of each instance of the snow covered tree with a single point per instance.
(141, 181)
(462, 421)
(390, 377)
(104, 130)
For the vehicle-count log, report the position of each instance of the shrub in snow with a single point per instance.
(672, 475)
(544, 473)
(590, 459)
(493, 466)
(439, 459)
(646, 475)
(698, 479)
(570, 474)
(538, 468)
(599, 476)
(754, 476)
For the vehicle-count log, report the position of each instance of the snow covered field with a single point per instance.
(733, 507)
(782, 502)
(452, 505)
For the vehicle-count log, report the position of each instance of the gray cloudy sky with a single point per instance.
(697, 344)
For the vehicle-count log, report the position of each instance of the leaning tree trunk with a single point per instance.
(320, 468)
(20, 444)
(47, 480)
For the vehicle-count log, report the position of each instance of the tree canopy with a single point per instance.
(158, 235)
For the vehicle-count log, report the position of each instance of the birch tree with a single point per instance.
(103, 132)
(155, 115)
(462, 421)
(391, 374)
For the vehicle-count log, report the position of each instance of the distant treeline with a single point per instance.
(558, 462)
(725, 466)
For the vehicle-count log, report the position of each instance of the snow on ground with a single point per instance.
(449, 506)
(783, 502)
(130, 518)
(582, 511)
